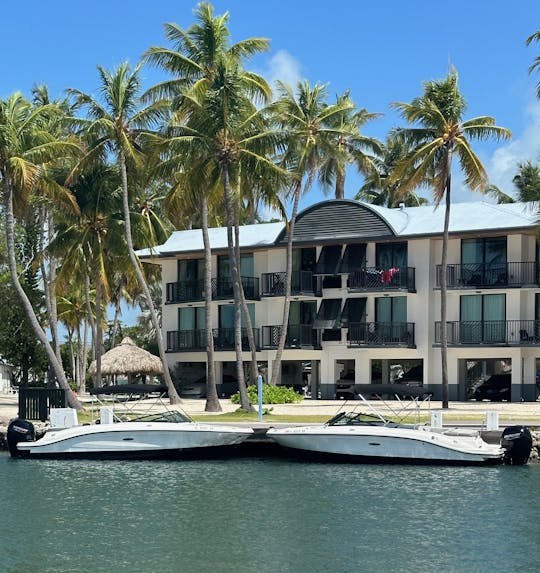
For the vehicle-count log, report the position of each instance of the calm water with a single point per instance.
(254, 515)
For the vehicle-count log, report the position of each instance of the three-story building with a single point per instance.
(365, 304)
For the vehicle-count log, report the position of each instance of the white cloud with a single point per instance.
(502, 165)
(282, 66)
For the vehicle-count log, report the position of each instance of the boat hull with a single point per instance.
(388, 444)
(135, 440)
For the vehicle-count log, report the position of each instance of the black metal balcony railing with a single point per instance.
(499, 275)
(374, 279)
(195, 340)
(400, 334)
(491, 333)
(223, 288)
(302, 282)
(224, 338)
(298, 336)
(185, 340)
(184, 291)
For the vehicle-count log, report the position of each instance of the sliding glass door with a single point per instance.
(483, 318)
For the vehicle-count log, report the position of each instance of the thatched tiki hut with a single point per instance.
(128, 359)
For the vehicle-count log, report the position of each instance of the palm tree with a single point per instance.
(199, 63)
(116, 127)
(349, 146)
(312, 127)
(197, 53)
(535, 66)
(26, 148)
(440, 134)
(224, 129)
(92, 244)
(527, 182)
(379, 188)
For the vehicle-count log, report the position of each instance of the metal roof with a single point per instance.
(343, 219)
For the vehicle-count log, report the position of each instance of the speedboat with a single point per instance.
(167, 433)
(364, 436)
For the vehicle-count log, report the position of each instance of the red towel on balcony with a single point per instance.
(387, 276)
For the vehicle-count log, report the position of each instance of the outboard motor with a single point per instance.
(19, 430)
(517, 442)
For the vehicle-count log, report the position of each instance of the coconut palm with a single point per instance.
(196, 54)
(26, 149)
(92, 244)
(349, 146)
(535, 66)
(312, 128)
(116, 127)
(379, 188)
(199, 62)
(441, 134)
(224, 129)
(527, 182)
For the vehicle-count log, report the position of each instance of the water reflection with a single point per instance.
(251, 515)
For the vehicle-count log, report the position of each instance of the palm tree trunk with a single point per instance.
(444, 258)
(27, 305)
(254, 368)
(340, 184)
(116, 320)
(98, 342)
(173, 394)
(90, 313)
(235, 277)
(49, 280)
(84, 359)
(276, 367)
(212, 400)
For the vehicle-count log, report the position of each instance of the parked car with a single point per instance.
(496, 388)
(197, 388)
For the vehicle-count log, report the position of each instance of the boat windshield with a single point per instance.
(169, 416)
(356, 419)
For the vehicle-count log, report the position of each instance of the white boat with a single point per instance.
(162, 434)
(360, 436)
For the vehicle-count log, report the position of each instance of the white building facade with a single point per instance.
(365, 304)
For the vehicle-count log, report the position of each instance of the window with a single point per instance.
(246, 266)
(302, 312)
(391, 255)
(190, 270)
(328, 261)
(191, 318)
(483, 261)
(304, 259)
(391, 309)
(483, 318)
(353, 312)
(354, 259)
(328, 313)
(226, 316)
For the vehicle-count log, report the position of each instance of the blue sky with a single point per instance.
(382, 51)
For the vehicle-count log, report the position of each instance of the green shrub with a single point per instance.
(271, 395)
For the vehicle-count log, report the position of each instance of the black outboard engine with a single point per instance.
(19, 430)
(517, 442)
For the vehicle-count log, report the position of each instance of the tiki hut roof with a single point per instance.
(127, 358)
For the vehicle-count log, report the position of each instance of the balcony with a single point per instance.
(298, 336)
(389, 334)
(501, 275)
(376, 280)
(195, 340)
(224, 338)
(491, 333)
(184, 291)
(302, 283)
(186, 340)
(222, 289)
